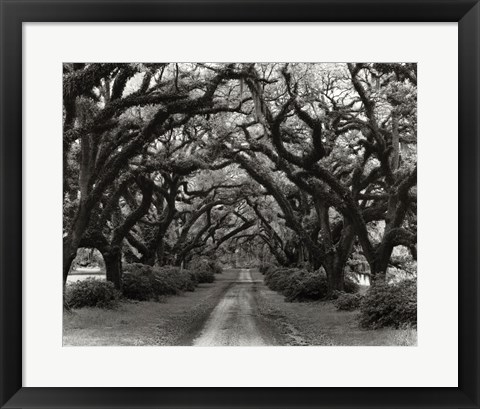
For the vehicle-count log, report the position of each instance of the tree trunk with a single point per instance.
(71, 243)
(395, 156)
(335, 274)
(113, 266)
(161, 253)
(380, 265)
(68, 257)
(337, 278)
(279, 256)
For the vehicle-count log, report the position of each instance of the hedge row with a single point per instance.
(143, 283)
(298, 284)
(140, 282)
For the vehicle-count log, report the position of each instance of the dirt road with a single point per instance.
(235, 320)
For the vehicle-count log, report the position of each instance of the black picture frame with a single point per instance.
(15, 12)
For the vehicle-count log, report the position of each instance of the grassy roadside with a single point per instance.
(319, 323)
(145, 323)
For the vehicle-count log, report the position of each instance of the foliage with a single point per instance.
(278, 279)
(183, 279)
(91, 292)
(216, 267)
(265, 268)
(298, 284)
(137, 287)
(405, 336)
(350, 286)
(204, 269)
(194, 160)
(205, 263)
(306, 285)
(192, 276)
(390, 305)
(203, 275)
(348, 302)
(141, 282)
(166, 281)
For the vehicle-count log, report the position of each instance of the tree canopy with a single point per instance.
(300, 164)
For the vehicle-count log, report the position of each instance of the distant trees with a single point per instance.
(314, 162)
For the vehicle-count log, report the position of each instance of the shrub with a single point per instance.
(204, 269)
(138, 269)
(204, 276)
(193, 277)
(91, 292)
(166, 281)
(267, 267)
(216, 267)
(393, 305)
(175, 280)
(348, 302)
(297, 284)
(137, 287)
(205, 264)
(189, 280)
(142, 282)
(278, 279)
(350, 286)
(306, 285)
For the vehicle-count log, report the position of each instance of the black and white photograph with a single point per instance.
(240, 204)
